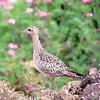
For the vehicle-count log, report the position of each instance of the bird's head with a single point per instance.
(33, 30)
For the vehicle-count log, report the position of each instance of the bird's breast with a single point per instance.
(37, 66)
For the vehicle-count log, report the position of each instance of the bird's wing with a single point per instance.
(51, 64)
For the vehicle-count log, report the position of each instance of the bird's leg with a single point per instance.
(52, 84)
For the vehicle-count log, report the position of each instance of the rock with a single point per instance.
(71, 87)
(91, 91)
(64, 94)
(86, 89)
(6, 93)
(47, 94)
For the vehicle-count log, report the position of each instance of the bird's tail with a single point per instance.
(80, 76)
(76, 75)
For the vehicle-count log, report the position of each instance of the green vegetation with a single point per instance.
(68, 28)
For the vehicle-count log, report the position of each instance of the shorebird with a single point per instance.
(47, 63)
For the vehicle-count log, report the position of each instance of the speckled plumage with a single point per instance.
(47, 63)
(50, 65)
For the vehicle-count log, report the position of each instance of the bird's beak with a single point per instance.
(23, 31)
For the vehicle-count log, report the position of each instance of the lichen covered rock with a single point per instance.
(6, 93)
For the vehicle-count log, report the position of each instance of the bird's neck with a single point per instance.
(36, 44)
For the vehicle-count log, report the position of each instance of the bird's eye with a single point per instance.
(29, 29)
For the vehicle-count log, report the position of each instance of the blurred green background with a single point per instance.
(70, 29)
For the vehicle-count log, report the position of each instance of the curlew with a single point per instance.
(47, 63)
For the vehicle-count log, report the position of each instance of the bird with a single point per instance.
(47, 63)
